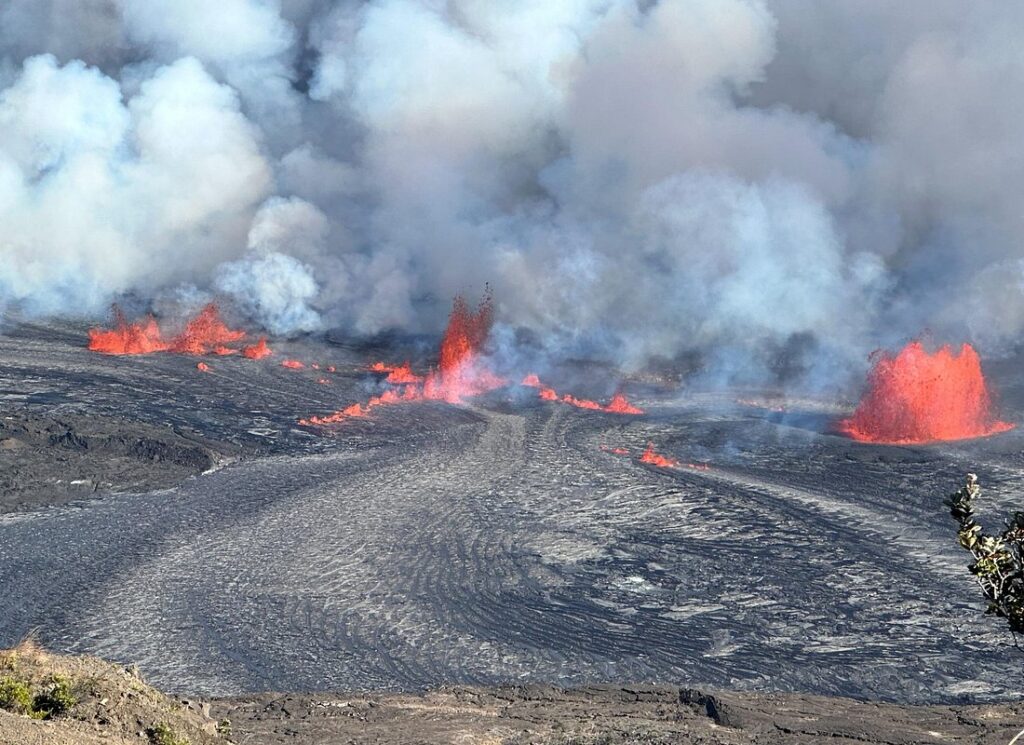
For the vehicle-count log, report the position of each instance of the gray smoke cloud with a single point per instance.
(635, 179)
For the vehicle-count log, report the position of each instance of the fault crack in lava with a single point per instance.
(917, 397)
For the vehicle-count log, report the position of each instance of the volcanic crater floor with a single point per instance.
(491, 543)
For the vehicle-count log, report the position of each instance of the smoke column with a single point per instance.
(751, 179)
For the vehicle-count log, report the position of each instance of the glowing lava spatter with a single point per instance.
(205, 333)
(293, 364)
(621, 405)
(461, 372)
(655, 459)
(142, 337)
(403, 375)
(257, 351)
(618, 405)
(917, 397)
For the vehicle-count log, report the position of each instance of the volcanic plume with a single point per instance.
(917, 397)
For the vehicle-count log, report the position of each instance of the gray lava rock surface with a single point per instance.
(497, 542)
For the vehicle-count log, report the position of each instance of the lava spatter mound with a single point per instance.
(917, 397)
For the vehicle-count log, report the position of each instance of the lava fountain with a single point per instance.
(141, 337)
(205, 333)
(916, 397)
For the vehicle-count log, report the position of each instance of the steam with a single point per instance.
(635, 179)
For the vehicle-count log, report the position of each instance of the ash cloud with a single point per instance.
(635, 179)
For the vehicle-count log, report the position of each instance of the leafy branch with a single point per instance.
(998, 564)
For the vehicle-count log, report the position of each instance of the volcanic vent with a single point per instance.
(916, 397)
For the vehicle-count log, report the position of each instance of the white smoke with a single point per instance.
(646, 178)
(100, 196)
(273, 289)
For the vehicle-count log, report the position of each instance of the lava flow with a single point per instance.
(460, 374)
(141, 337)
(656, 459)
(403, 375)
(618, 405)
(206, 333)
(257, 351)
(917, 397)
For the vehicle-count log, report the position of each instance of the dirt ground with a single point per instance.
(112, 704)
(606, 715)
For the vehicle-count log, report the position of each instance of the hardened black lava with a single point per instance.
(489, 543)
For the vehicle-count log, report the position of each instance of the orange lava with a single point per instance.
(621, 405)
(142, 337)
(917, 397)
(461, 373)
(615, 451)
(618, 405)
(581, 403)
(257, 351)
(655, 459)
(323, 381)
(204, 333)
(293, 364)
(403, 375)
(202, 367)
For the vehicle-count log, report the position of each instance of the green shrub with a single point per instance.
(998, 564)
(56, 700)
(162, 734)
(15, 695)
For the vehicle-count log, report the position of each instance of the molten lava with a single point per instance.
(917, 397)
(202, 367)
(293, 364)
(205, 333)
(655, 459)
(581, 403)
(403, 375)
(621, 405)
(461, 373)
(257, 351)
(142, 337)
(618, 405)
